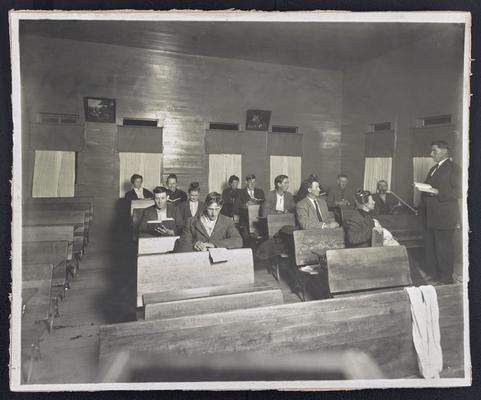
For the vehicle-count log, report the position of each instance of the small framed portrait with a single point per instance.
(258, 120)
(99, 109)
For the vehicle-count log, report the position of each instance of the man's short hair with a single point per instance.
(342, 176)
(134, 177)
(233, 178)
(250, 177)
(279, 179)
(212, 198)
(172, 176)
(309, 181)
(194, 187)
(381, 181)
(160, 189)
(441, 144)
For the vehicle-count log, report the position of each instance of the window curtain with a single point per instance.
(286, 165)
(375, 169)
(421, 167)
(149, 165)
(54, 174)
(221, 167)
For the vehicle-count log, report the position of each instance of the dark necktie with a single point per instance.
(436, 166)
(319, 217)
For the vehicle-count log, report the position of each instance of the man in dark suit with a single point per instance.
(137, 191)
(441, 210)
(210, 229)
(231, 198)
(191, 208)
(250, 194)
(311, 211)
(279, 200)
(384, 202)
(158, 212)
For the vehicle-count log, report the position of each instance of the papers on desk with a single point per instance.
(218, 255)
(423, 187)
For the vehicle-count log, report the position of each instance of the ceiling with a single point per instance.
(330, 45)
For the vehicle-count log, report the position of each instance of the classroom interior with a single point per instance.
(362, 99)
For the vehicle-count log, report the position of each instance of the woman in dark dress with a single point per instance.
(358, 227)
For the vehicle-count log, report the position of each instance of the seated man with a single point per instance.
(279, 200)
(384, 201)
(176, 196)
(160, 211)
(191, 208)
(341, 195)
(312, 212)
(210, 229)
(231, 198)
(250, 194)
(137, 191)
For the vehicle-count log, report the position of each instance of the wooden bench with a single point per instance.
(55, 253)
(309, 248)
(160, 272)
(66, 200)
(137, 215)
(140, 366)
(369, 268)
(75, 218)
(407, 229)
(182, 302)
(149, 244)
(378, 324)
(49, 233)
(37, 312)
(140, 204)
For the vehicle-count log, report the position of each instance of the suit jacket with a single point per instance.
(150, 214)
(358, 229)
(225, 234)
(131, 195)
(337, 194)
(269, 206)
(183, 213)
(384, 207)
(244, 196)
(177, 197)
(442, 210)
(231, 202)
(307, 216)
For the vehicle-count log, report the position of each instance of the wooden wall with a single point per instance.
(419, 80)
(184, 92)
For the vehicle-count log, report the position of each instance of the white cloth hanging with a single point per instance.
(426, 332)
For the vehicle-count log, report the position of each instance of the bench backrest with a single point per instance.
(49, 233)
(137, 215)
(407, 229)
(159, 272)
(66, 200)
(149, 244)
(378, 324)
(253, 212)
(310, 243)
(39, 277)
(276, 221)
(52, 217)
(367, 268)
(179, 303)
(142, 203)
(54, 252)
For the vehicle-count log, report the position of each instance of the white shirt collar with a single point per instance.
(441, 162)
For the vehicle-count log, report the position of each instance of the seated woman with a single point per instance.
(137, 191)
(191, 208)
(210, 229)
(359, 226)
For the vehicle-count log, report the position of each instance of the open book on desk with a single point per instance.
(218, 255)
(168, 223)
(424, 187)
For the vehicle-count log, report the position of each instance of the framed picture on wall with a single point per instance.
(258, 120)
(99, 109)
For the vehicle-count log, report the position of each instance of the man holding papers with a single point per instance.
(159, 219)
(441, 192)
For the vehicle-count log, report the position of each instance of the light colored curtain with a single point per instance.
(221, 167)
(54, 174)
(149, 165)
(421, 167)
(376, 169)
(286, 165)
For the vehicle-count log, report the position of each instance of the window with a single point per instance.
(286, 165)
(54, 174)
(53, 118)
(379, 127)
(221, 167)
(375, 169)
(434, 120)
(139, 122)
(149, 165)
(224, 126)
(284, 129)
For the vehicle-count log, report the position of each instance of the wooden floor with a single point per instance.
(104, 292)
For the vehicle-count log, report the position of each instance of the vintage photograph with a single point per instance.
(240, 200)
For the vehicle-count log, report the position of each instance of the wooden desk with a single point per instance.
(149, 244)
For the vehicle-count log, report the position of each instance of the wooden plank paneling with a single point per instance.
(57, 137)
(139, 139)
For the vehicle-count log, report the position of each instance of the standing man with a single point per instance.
(279, 200)
(341, 195)
(441, 207)
(160, 211)
(384, 201)
(311, 211)
(176, 196)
